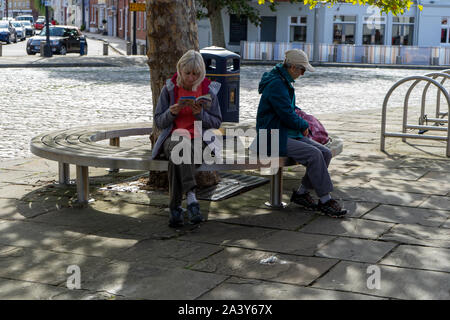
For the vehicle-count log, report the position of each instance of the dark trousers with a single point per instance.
(181, 176)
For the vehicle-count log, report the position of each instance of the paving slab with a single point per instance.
(420, 235)
(248, 289)
(23, 290)
(380, 196)
(97, 246)
(13, 209)
(409, 174)
(348, 227)
(249, 264)
(408, 215)
(227, 234)
(399, 283)
(137, 281)
(105, 223)
(437, 202)
(36, 235)
(171, 252)
(421, 186)
(290, 218)
(356, 209)
(46, 267)
(419, 257)
(359, 250)
(17, 191)
(288, 242)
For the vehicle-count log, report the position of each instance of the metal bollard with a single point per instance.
(82, 48)
(128, 48)
(105, 48)
(42, 48)
(142, 50)
(1, 49)
(398, 60)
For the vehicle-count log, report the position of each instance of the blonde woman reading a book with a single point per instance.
(185, 98)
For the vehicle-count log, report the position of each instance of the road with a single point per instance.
(37, 100)
(95, 48)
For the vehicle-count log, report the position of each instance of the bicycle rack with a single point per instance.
(438, 114)
(405, 125)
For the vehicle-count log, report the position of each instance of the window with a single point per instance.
(120, 19)
(238, 29)
(297, 29)
(373, 30)
(268, 29)
(445, 26)
(344, 29)
(402, 30)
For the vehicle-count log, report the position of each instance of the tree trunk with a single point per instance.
(215, 19)
(171, 31)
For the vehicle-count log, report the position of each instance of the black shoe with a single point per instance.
(305, 200)
(176, 218)
(332, 208)
(194, 213)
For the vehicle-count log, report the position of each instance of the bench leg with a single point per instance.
(115, 142)
(83, 184)
(276, 190)
(64, 173)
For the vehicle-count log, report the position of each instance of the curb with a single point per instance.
(109, 44)
(348, 65)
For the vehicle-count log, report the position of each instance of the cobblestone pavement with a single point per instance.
(37, 100)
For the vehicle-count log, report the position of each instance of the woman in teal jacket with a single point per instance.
(276, 111)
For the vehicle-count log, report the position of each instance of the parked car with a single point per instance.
(20, 30)
(39, 25)
(25, 18)
(29, 29)
(7, 32)
(63, 39)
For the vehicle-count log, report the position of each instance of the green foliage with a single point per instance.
(40, 7)
(237, 7)
(396, 7)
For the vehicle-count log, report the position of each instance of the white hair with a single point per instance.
(191, 61)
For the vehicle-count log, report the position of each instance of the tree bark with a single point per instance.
(215, 19)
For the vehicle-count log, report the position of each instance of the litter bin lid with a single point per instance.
(219, 51)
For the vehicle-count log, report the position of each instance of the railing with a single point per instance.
(374, 54)
(430, 79)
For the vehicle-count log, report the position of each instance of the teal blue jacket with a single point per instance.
(276, 107)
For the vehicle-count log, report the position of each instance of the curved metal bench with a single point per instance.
(79, 146)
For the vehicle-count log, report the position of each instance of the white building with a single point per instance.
(351, 29)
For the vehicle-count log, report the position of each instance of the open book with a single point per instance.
(205, 101)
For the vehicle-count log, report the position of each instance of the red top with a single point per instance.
(185, 118)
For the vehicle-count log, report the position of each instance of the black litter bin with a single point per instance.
(223, 66)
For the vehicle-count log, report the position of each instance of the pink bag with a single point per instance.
(317, 131)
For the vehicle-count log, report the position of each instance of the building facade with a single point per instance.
(293, 25)
(14, 8)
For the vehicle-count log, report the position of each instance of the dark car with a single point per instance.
(63, 39)
(7, 32)
(39, 25)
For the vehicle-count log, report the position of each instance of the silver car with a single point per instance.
(20, 30)
(29, 28)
